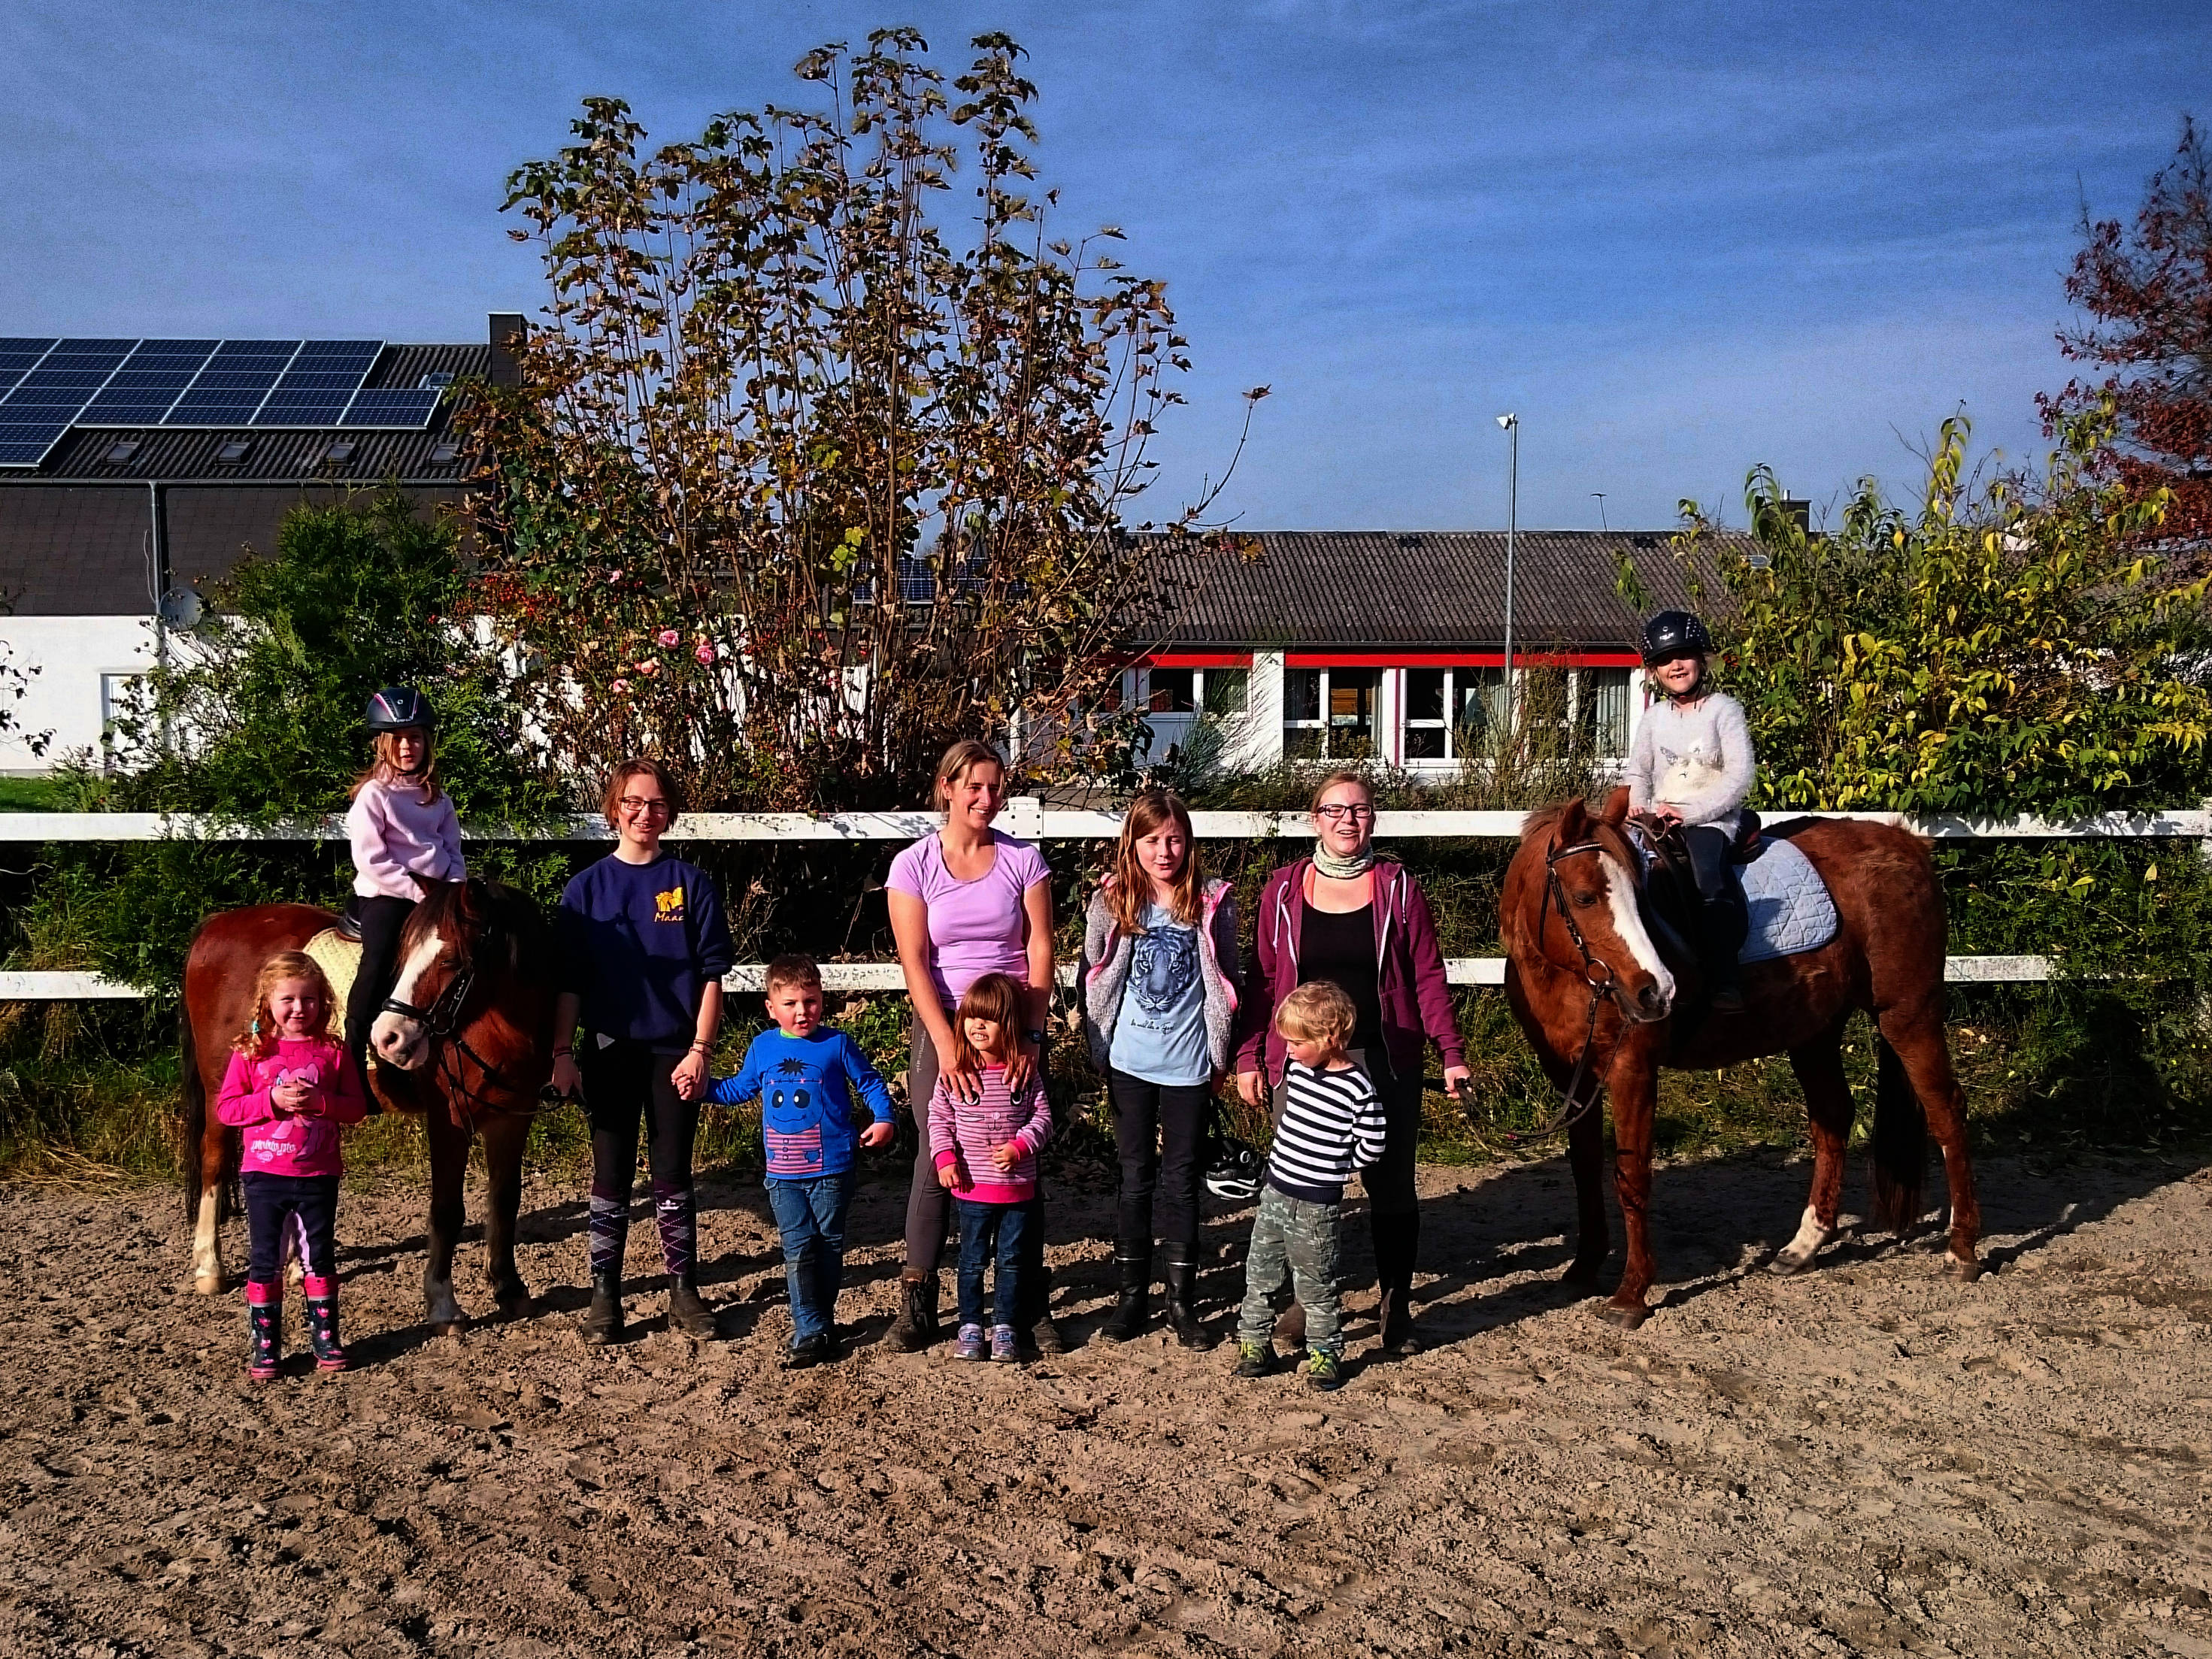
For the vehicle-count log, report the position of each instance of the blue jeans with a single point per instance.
(989, 1231)
(810, 1216)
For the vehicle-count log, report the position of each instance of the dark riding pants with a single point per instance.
(1725, 920)
(623, 1083)
(381, 919)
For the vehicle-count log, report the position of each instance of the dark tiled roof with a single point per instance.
(401, 367)
(178, 453)
(66, 551)
(210, 529)
(1416, 590)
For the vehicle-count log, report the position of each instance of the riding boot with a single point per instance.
(1036, 1313)
(602, 1320)
(1133, 1308)
(322, 1298)
(1725, 930)
(916, 1328)
(1180, 1272)
(687, 1311)
(1397, 1244)
(264, 1330)
(364, 1069)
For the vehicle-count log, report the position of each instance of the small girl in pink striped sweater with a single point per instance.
(986, 1158)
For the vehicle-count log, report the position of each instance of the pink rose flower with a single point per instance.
(621, 686)
(667, 636)
(705, 654)
(649, 667)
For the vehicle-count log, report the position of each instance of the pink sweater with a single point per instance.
(292, 1143)
(397, 836)
(967, 1134)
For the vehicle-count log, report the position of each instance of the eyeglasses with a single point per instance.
(1333, 813)
(638, 806)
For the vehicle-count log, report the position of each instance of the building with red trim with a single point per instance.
(1340, 645)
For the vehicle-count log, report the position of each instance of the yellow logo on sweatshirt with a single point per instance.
(668, 906)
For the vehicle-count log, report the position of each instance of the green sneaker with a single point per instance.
(1324, 1372)
(1256, 1359)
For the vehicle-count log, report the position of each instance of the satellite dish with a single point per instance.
(180, 608)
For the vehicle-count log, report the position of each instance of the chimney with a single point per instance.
(507, 329)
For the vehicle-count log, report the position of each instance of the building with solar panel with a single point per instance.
(133, 472)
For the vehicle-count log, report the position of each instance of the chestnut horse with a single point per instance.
(465, 1041)
(1599, 1004)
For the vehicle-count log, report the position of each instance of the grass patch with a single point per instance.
(37, 795)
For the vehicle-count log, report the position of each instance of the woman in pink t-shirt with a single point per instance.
(965, 901)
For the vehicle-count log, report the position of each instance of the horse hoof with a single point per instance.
(515, 1304)
(1581, 1279)
(1965, 1269)
(207, 1284)
(1626, 1315)
(1785, 1266)
(456, 1328)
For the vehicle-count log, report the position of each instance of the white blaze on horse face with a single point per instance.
(1620, 897)
(394, 1037)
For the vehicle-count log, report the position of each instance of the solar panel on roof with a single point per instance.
(48, 384)
(406, 412)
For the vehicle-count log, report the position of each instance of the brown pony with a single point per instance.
(465, 1041)
(1584, 978)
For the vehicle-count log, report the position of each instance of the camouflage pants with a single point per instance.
(1297, 1239)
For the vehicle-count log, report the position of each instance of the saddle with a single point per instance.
(339, 957)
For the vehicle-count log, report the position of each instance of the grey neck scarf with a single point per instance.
(1336, 869)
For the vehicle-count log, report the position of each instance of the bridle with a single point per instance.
(1597, 973)
(451, 1051)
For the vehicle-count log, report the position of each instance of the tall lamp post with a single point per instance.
(1511, 422)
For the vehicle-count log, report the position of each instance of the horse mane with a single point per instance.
(465, 910)
(1543, 819)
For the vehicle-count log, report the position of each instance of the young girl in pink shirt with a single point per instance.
(985, 1151)
(404, 833)
(288, 1088)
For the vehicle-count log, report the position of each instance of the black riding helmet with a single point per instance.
(398, 708)
(1671, 634)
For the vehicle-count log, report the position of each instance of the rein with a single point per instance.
(441, 1023)
(1597, 973)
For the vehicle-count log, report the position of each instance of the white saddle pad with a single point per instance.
(1791, 909)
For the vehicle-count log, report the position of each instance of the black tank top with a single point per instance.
(1339, 946)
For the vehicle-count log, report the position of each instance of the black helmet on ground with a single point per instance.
(400, 708)
(1671, 634)
(1234, 1170)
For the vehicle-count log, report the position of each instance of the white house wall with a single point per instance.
(76, 657)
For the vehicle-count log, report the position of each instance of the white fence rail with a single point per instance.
(1028, 817)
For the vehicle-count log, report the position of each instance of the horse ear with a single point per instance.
(1574, 822)
(1616, 805)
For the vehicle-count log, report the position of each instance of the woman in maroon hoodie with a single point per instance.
(1361, 922)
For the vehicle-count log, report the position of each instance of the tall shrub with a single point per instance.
(811, 472)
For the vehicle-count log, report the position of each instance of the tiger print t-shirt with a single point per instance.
(1160, 1033)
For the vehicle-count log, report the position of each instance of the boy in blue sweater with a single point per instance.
(805, 1073)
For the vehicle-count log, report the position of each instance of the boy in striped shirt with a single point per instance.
(1331, 1124)
(806, 1072)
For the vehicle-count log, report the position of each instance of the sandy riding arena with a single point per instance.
(1870, 1459)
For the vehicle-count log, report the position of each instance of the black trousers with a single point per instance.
(1726, 920)
(624, 1083)
(304, 1206)
(381, 919)
(1159, 1129)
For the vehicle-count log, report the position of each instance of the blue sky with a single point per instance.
(1677, 239)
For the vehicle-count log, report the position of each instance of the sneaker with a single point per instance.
(1323, 1372)
(808, 1353)
(1004, 1347)
(1256, 1359)
(969, 1344)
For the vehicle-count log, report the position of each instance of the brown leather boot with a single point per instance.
(916, 1328)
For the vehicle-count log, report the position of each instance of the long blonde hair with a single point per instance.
(1131, 891)
(386, 765)
(260, 1034)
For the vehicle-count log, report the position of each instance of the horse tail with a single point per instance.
(193, 1133)
(1900, 1147)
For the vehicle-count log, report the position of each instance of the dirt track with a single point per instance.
(1869, 1460)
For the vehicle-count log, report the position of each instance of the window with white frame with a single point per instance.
(1329, 713)
(1172, 690)
(1450, 713)
(1601, 696)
